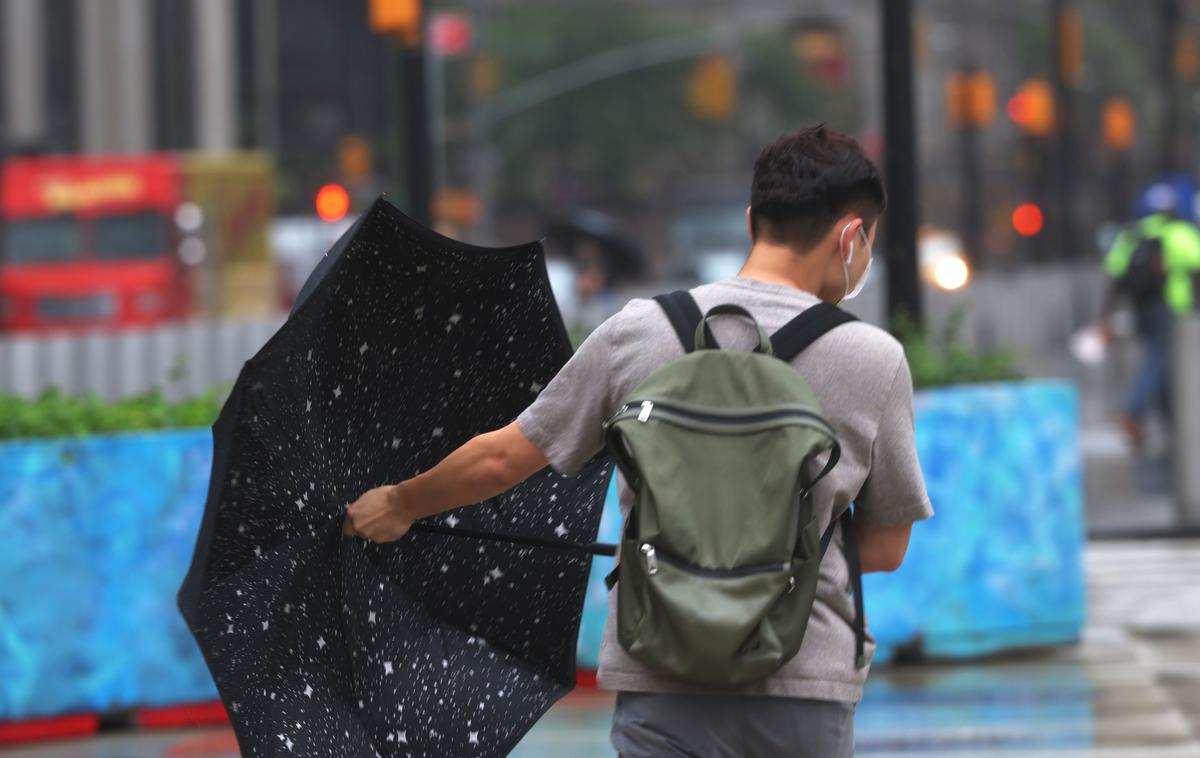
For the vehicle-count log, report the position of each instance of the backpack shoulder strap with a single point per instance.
(685, 316)
(854, 564)
(796, 335)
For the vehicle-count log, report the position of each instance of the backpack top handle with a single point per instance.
(728, 309)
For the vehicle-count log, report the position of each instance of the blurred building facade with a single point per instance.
(309, 81)
(134, 76)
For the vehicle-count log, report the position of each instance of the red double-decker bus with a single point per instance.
(90, 241)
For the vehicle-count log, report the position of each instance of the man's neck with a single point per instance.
(779, 264)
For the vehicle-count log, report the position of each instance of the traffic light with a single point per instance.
(822, 46)
(485, 76)
(1070, 45)
(970, 98)
(397, 18)
(1027, 220)
(712, 88)
(1119, 124)
(354, 158)
(333, 202)
(1186, 61)
(1032, 108)
(457, 206)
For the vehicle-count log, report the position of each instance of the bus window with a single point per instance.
(133, 236)
(33, 241)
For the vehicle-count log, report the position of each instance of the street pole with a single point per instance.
(972, 191)
(1185, 401)
(1120, 179)
(404, 22)
(1169, 19)
(482, 173)
(215, 74)
(266, 76)
(417, 144)
(900, 161)
(1061, 226)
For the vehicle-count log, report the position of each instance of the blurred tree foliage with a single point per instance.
(941, 358)
(55, 414)
(628, 135)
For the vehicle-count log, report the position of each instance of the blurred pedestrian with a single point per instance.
(816, 200)
(1154, 265)
(594, 286)
(603, 256)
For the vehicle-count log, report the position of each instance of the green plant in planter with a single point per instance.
(942, 358)
(55, 414)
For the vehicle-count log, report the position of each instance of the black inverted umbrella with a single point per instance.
(403, 345)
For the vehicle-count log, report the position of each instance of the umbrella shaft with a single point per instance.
(595, 548)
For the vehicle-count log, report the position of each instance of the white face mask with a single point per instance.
(854, 292)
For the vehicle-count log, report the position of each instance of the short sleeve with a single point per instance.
(566, 420)
(894, 492)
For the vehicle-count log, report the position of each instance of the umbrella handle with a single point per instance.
(595, 548)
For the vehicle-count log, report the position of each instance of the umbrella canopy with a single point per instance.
(403, 345)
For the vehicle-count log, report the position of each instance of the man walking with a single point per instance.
(815, 204)
(1154, 264)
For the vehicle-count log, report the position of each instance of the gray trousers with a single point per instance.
(649, 725)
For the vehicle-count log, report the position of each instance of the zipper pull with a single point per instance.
(647, 406)
(651, 559)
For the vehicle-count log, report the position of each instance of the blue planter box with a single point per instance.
(1000, 565)
(99, 533)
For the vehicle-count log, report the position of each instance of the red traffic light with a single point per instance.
(1027, 220)
(333, 202)
(1019, 108)
(1032, 108)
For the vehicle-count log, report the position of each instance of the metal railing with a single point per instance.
(1032, 312)
(180, 359)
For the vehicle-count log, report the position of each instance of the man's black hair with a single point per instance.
(804, 182)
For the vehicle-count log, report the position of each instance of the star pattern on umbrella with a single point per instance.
(358, 642)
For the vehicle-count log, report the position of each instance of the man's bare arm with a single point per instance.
(882, 548)
(482, 468)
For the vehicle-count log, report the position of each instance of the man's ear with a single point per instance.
(750, 224)
(850, 225)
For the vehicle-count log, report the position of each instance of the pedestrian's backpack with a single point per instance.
(720, 554)
(1146, 275)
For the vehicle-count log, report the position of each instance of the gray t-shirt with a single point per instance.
(861, 378)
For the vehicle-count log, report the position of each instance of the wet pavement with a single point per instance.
(1130, 688)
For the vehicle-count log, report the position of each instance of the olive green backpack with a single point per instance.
(720, 554)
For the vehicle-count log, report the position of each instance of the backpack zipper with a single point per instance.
(652, 557)
(649, 408)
